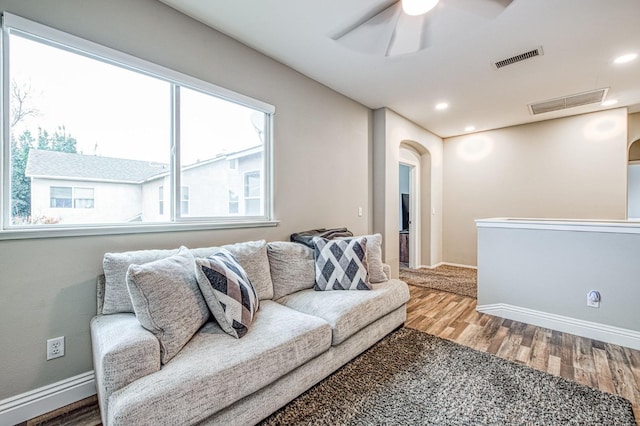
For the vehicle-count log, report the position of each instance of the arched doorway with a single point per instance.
(390, 132)
(418, 159)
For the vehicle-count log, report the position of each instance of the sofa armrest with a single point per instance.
(123, 352)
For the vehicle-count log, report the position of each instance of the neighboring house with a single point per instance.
(77, 188)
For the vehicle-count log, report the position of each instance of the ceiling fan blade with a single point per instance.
(373, 34)
(408, 35)
(488, 9)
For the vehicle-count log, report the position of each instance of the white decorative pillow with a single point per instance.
(374, 259)
(167, 300)
(341, 264)
(228, 292)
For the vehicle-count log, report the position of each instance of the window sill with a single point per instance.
(78, 231)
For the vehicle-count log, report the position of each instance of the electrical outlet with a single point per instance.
(55, 348)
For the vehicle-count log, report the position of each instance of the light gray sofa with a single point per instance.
(298, 337)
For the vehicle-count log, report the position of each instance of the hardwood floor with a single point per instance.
(604, 366)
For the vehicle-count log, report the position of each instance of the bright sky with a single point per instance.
(115, 112)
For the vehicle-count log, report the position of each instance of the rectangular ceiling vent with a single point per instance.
(572, 101)
(517, 58)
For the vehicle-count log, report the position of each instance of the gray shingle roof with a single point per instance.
(92, 167)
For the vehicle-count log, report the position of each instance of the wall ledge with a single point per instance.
(577, 225)
(591, 330)
(28, 405)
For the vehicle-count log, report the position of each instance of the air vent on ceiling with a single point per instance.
(571, 101)
(517, 58)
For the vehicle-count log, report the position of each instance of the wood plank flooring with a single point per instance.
(607, 367)
(603, 366)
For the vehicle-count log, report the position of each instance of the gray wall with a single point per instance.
(48, 285)
(634, 192)
(553, 270)
(574, 167)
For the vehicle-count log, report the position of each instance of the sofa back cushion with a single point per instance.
(292, 268)
(115, 265)
(251, 255)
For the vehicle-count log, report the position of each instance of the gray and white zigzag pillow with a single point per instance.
(228, 292)
(341, 264)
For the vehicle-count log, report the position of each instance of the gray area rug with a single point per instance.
(446, 278)
(411, 377)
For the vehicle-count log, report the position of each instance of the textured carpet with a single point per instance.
(446, 278)
(411, 377)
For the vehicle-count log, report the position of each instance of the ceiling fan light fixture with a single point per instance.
(418, 7)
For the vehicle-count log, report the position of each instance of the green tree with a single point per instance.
(20, 183)
(22, 109)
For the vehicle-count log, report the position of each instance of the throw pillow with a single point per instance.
(167, 301)
(252, 255)
(341, 264)
(374, 259)
(292, 268)
(228, 292)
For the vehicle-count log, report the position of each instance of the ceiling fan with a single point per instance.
(396, 29)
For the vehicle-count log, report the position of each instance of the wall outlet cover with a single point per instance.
(55, 348)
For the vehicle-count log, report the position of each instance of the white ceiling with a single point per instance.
(580, 39)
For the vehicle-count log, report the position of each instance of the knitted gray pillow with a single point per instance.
(167, 300)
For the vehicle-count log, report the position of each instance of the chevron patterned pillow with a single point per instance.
(341, 264)
(228, 292)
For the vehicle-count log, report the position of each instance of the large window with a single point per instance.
(156, 145)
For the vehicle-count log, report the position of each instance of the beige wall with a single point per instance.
(573, 167)
(48, 285)
(390, 131)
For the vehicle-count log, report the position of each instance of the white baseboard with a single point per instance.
(28, 405)
(459, 265)
(592, 330)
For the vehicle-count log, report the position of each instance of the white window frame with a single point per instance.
(70, 188)
(246, 197)
(14, 24)
(184, 199)
(161, 200)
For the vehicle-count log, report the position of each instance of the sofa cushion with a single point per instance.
(374, 259)
(251, 255)
(167, 300)
(292, 267)
(341, 264)
(228, 292)
(115, 265)
(349, 311)
(215, 370)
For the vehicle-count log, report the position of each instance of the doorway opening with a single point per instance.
(633, 184)
(409, 208)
